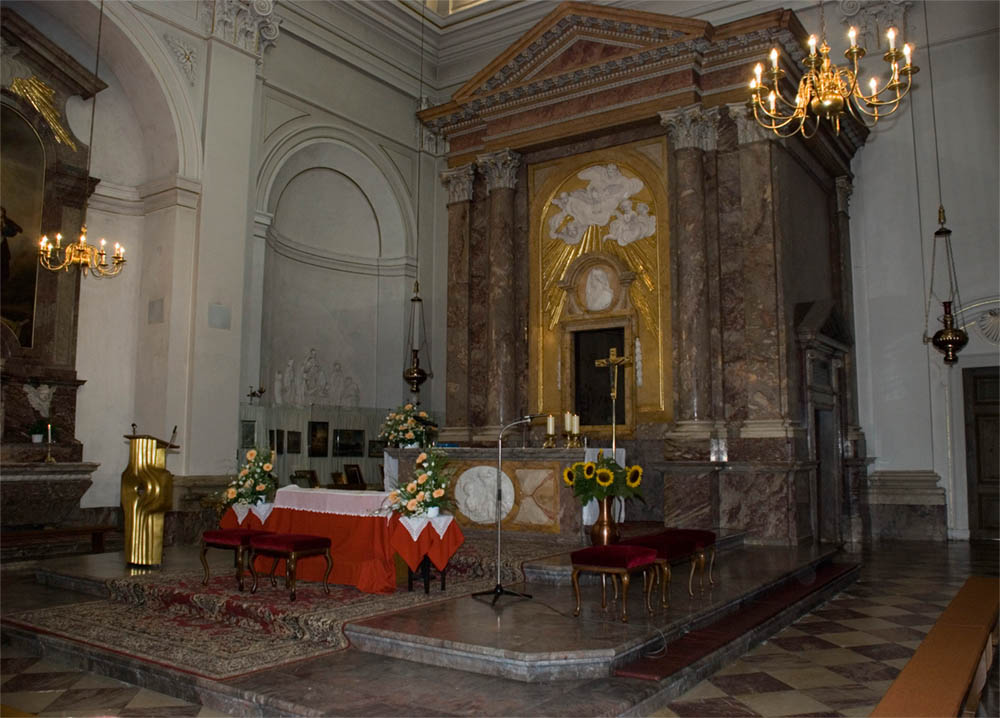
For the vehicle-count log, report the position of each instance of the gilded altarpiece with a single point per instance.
(600, 259)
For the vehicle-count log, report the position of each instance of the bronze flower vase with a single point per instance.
(605, 530)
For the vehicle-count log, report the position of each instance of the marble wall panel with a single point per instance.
(714, 304)
(522, 277)
(761, 450)
(758, 502)
(899, 522)
(479, 263)
(804, 503)
(690, 496)
(731, 280)
(761, 300)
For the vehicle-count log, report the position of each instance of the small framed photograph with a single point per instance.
(319, 438)
(348, 442)
(279, 441)
(353, 474)
(248, 434)
(376, 448)
(270, 439)
(294, 445)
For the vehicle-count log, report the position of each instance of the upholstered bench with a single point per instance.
(674, 544)
(237, 540)
(619, 562)
(290, 547)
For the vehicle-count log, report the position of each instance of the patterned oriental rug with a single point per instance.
(217, 632)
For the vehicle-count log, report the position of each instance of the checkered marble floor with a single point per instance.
(838, 660)
(39, 686)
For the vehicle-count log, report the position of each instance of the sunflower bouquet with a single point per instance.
(603, 478)
(428, 489)
(254, 483)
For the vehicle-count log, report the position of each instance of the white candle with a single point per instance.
(906, 53)
(550, 425)
(812, 44)
(576, 423)
(774, 58)
(50, 433)
(891, 34)
(853, 34)
(567, 422)
(757, 69)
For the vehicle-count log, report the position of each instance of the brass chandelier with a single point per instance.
(827, 91)
(80, 254)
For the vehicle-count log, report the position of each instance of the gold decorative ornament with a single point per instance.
(949, 340)
(826, 91)
(147, 494)
(40, 96)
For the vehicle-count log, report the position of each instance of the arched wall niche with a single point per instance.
(337, 266)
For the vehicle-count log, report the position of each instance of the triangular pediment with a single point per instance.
(577, 37)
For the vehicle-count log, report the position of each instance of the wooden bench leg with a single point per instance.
(240, 566)
(576, 590)
(253, 572)
(664, 567)
(625, 582)
(329, 567)
(711, 565)
(290, 572)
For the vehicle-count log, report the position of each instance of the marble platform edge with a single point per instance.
(677, 684)
(592, 664)
(212, 694)
(551, 572)
(534, 667)
(90, 585)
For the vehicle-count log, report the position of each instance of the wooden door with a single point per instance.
(981, 387)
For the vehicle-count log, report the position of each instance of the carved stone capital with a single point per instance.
(459, 183)
(500, 169)
(248, 24)
(873, 18)
(844, 190)
(692, 127)
(747, 128)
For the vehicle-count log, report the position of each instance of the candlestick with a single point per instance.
(550, 441)
(50, 433)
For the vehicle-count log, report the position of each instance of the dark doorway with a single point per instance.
(981, 388)
(592, 396)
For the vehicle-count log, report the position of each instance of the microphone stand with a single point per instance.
(499, 590)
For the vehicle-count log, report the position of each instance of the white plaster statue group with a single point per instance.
(311, 383)
(604, 202)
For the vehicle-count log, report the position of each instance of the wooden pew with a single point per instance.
(947, 672)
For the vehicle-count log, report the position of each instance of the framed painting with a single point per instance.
(248, 434)
(376, 448)
(319, 438)
(279, 443)
(348, 442)
(353, 474)
(294, 445)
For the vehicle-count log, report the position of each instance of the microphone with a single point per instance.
(532, 417)
(173, 435)
(424, 422)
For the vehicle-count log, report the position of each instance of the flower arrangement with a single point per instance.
(428, 487)
(408, 425)
(603, 478)
(254, 482)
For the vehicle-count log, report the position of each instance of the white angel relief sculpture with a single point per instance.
(605, 199)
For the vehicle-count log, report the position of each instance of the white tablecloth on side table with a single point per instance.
(331, 501)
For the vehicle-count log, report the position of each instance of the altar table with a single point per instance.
(362, 543)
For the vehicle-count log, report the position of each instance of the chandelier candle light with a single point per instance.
(80, 254)
(826, 91)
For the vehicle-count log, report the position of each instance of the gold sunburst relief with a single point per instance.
(601, 215)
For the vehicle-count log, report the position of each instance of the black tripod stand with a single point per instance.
(499, 590)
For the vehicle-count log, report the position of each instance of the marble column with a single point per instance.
(692, 134)
(500, 170)
(458, 181)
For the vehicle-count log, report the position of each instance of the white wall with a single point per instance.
(910, 401)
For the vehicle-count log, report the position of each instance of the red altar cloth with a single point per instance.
(362, 547)
(439, 549)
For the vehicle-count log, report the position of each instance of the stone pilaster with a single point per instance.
(458, 181)
(692, 134)
(500, 170)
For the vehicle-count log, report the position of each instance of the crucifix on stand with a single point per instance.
(612, 363)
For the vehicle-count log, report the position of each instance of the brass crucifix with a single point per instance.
(612, 363)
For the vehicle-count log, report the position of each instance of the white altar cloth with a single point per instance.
(332, 501)
(261, 510)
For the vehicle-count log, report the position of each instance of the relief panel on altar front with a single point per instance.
(530, 494)
(600, 260)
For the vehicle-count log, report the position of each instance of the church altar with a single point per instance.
(534, 497)
(362, 544)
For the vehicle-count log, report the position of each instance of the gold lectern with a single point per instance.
(147, 493)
